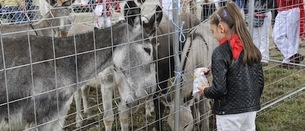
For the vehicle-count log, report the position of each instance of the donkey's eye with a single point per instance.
(147, 50)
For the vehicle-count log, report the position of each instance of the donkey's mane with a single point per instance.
(42, 46)
(46, 17)
(111, 35)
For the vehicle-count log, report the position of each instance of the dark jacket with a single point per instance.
(236, 87)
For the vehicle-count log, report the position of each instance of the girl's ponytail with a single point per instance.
(237, 24)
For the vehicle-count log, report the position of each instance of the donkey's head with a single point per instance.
(61, 15)
(134, 68)
(132, 61)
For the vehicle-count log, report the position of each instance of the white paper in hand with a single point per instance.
(199, 79)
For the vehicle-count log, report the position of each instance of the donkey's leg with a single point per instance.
(107, 82)
(204, 108)
(149, 107)
(159, 109)
(77, 98)
(108, 117)
(196, 114)
(85, 95)
(124, 112)
(159, 106)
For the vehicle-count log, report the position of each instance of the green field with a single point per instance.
(287, 115)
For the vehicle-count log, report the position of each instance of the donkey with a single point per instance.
(39, 74)
(185, 113)
(203, 42)
(56, 23)
(164, 57)
(84, 92)
(107, 94)
(197, 52)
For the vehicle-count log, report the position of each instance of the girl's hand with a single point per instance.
(201, 88)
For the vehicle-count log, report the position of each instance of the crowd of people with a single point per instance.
(18, 11)
(285, 37)
(288, 27)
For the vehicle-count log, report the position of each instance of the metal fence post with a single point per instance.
(104, 11)
(251, 16)
(175, 14)
(175, 10)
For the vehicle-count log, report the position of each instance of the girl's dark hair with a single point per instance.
(231, 15)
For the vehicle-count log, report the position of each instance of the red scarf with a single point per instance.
(236, 45)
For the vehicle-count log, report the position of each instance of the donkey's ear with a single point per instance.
(155, 20)
(132, 13)
(141, 1)
(67, 3)
(158, 14)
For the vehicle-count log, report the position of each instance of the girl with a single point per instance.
(168, 8)
(210, 6)
(237, 72)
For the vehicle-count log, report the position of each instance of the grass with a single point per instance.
(290, 114)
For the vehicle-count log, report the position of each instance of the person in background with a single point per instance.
(210, 6)
(238, 79)
(286, 32)
(189, 6)
(167, 8)
(13, 11)
(207, 9)
(261, 34)
(32, 9)
(242, 4)
(103, 16)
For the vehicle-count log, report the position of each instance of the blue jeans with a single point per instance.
(13, 14)
(32, 11)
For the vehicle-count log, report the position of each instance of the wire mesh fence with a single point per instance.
(124, 77)
(19, 12)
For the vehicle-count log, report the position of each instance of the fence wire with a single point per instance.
(90, 112)
(19, 12)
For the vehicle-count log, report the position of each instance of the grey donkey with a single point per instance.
(107, 92)
(39, 74)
